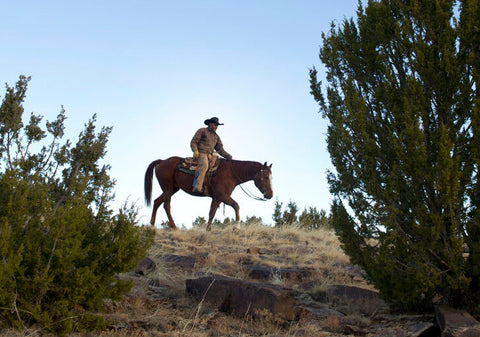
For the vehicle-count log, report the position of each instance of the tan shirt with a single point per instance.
(206, 140)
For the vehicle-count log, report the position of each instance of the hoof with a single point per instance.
(208, 228)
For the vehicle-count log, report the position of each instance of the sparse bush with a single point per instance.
(253, 220)
(309, 219)
(199, 222)
(61, 246)
(313, 219)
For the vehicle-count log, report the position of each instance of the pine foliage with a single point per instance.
(403, 105)
(309, 219)
(61, 247)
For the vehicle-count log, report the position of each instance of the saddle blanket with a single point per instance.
(189, 165)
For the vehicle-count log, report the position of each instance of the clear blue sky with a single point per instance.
(155, 70)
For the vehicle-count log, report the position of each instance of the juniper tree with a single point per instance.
(61, 246)
(402, 102)
(286, 218)
(313, 219)
(277, 214)
(309, 219)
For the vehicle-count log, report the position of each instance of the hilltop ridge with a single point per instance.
(334, 297)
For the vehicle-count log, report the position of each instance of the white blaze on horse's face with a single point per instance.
(270, 194)
(266, 181)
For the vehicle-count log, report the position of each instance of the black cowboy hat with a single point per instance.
(212, 120)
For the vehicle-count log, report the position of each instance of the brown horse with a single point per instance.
(220, 186)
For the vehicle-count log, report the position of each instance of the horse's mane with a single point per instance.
(244, 169)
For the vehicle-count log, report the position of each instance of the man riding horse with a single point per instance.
(229, 174)
(203, 143)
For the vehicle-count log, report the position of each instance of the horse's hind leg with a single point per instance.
(211, 214)
(166, 206)
(165, 199)
(156, 204)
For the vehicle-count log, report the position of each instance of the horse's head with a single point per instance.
(263, 180)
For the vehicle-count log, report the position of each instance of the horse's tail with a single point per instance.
(148, 180)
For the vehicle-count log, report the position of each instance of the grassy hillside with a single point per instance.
(159, 306)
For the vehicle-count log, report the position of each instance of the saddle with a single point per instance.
(189, 165)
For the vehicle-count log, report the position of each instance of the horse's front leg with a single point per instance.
(211, 214)
(229, 201)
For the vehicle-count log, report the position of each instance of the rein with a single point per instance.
(245, 189)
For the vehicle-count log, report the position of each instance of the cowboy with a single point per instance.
(203, 143)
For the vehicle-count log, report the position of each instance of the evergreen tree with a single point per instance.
(312, 219)
(223, 224)
(290, 214)
(277, 214)
(253, 220)
(286, 218)
(199, 222)
(403, 105)
(61, 246)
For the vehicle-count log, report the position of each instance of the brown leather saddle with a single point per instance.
(189, 165)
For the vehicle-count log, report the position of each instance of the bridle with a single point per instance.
(246, 190)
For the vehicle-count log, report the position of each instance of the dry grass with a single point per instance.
(285, 247)
(159, 306)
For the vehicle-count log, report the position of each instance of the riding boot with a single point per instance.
(201, 171)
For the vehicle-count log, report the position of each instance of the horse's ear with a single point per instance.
(270, 165)
(265, 164)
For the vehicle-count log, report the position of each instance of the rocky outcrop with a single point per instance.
(145, 266)
(242, 298)
(184, 262)
(307, 305)
(456, 323)
(259, 272)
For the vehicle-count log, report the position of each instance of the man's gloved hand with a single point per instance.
(195, 154)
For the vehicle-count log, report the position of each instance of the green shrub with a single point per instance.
(404, 127)
(61, 247)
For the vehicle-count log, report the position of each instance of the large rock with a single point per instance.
(148, 265)
(145, 266)
(184, 262)
(307, 305)
(352, 292)
(456, 323)
(343, 297)
(240, 297)
(266, 273)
